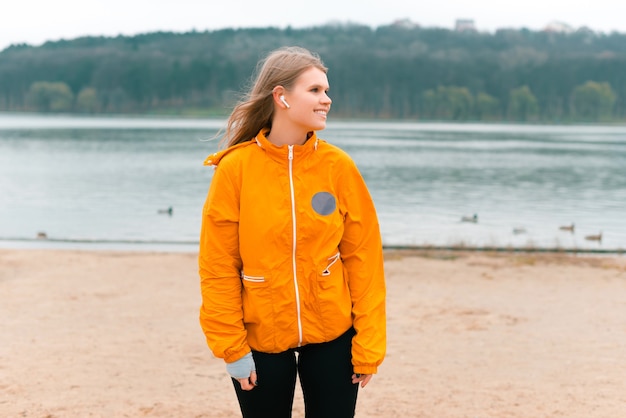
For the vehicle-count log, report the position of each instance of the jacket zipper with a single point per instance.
(293, 251)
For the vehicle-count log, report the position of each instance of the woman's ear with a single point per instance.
(279, 96)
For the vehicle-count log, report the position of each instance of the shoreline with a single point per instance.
(191, 246)
(206, 114)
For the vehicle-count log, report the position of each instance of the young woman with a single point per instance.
(291, 261)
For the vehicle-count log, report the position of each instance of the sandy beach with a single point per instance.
(116, 334)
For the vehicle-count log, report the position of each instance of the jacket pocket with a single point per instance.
(333, 297)
(258, 305)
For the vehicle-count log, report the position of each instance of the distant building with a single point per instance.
(465, 25)
(558, 27)
(405, 24)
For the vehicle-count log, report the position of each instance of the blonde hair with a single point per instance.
(255, 111)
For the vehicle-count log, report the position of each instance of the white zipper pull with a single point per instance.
(290, 151)
(332, 260)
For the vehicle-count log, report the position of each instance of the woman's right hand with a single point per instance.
(243, 371)
(248, 383)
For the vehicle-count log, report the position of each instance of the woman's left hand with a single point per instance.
(363, 378)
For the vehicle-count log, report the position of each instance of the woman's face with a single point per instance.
(308, 100)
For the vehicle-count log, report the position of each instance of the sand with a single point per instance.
(116, 334)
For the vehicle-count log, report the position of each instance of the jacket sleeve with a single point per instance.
(362, 256)
(221, 313)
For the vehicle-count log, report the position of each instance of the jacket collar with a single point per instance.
(279, 153)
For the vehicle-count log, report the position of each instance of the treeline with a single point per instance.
(386, 72)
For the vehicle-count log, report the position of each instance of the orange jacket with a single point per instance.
(290, 252)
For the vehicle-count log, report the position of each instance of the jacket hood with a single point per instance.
(216, 157)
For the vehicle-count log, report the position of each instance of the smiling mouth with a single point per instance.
(321, 112)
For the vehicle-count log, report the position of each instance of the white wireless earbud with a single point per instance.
(282, 99)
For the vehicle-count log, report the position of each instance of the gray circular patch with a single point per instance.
(323, 203)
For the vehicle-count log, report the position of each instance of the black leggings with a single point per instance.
(325, 372)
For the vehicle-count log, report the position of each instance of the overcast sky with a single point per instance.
(37, 21)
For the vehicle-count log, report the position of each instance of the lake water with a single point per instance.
(92, 182)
